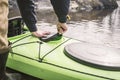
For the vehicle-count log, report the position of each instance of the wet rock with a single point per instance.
(75, 5)
(96, 4)
(109, 4)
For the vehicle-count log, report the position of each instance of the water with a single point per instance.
(99, 27)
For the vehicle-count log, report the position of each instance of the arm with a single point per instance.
(61, 8)
(27, 11)
(28, 14)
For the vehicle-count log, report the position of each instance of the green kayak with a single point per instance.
(50, 60)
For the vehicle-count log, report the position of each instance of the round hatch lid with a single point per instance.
(94, 55)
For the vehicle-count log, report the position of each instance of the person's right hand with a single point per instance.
(62, 28)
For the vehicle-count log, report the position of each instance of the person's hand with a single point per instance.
(62, 28)
(40, 33)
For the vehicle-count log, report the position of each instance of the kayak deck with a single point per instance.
(48, 61)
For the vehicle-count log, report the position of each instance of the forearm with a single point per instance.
(27, 11)
(61, 8)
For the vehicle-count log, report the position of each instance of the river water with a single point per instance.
(98, 26)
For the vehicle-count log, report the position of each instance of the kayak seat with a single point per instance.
(15, 26)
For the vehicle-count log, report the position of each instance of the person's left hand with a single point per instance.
(62, 28)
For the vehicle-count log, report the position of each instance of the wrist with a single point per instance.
(62, 19)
